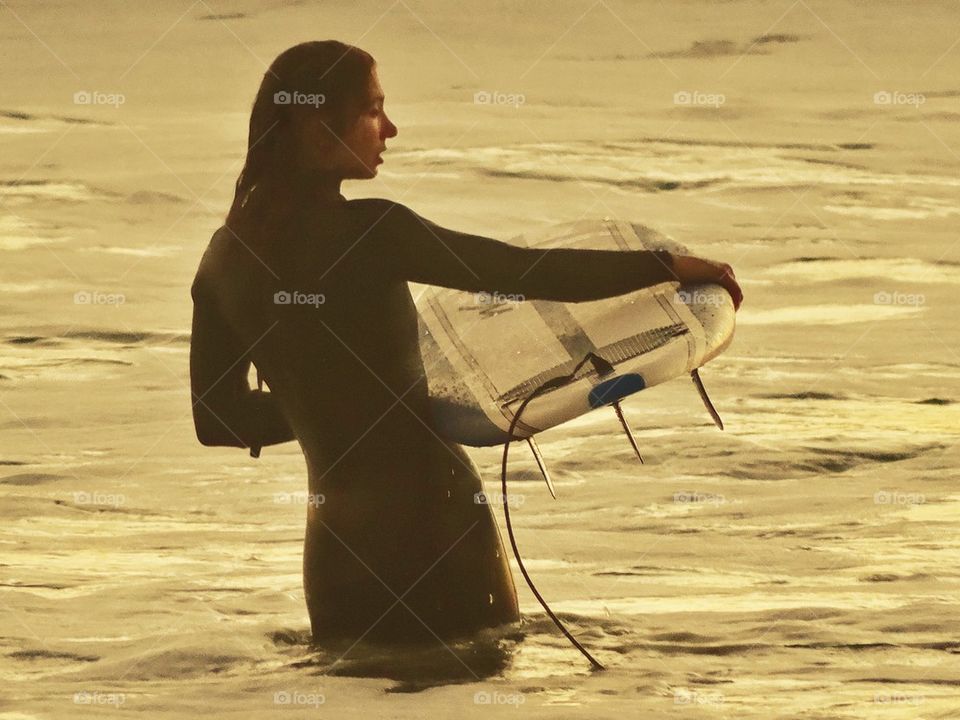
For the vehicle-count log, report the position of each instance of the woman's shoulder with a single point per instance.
(215, 263)
(379, 207)
(380, 217)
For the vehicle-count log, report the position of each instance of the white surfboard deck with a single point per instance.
(484, 355)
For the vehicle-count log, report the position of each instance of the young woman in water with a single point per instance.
(312, 289)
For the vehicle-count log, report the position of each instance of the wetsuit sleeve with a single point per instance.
(422, 251)
(226, 412)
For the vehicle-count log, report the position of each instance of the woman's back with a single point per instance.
(332, 333)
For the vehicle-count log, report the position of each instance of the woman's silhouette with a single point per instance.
(312, 289)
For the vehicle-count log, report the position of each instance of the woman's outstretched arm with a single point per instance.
(226, 412)
(422, 251)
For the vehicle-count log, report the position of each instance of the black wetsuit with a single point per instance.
(347, 381)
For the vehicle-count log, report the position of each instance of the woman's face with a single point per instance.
(357, 153)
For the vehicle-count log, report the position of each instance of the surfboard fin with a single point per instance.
(627, 430)
(535, 449)
(695, 376)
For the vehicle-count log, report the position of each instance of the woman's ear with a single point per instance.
(317, 128)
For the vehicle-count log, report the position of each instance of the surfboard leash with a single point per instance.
(603, 368)
(255, 449)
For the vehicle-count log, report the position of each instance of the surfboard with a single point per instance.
(483, 355)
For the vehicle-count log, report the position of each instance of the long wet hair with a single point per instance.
(269, 189)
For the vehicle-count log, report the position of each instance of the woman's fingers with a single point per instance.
(690, 270)
(729, 281)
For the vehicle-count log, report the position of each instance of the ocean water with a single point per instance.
(804, 562)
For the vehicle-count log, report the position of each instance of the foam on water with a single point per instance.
(660, 164)
(826, 314)
(20, 191)
(739, 602)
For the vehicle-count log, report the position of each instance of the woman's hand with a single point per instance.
(692, 270)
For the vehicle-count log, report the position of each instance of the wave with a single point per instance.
(153, 197)
(808, 395)
(63, 190)
(828, 269)
(731, 603)
(79, 353)
(152, 251)
(826, 314)
(126, 337)
(55, 335)
(723, 48)
(30, 479)
(659, 164)
(17, 233)
(838, 461)
(647, 185)
(25, 116)
(223, 16)
(45, 654)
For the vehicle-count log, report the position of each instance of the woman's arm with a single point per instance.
(422, 251)
(226, 411)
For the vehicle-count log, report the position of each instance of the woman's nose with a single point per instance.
(391, 129)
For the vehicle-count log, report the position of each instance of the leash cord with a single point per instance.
(603, 368)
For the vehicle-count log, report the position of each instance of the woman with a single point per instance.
(312, 289)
